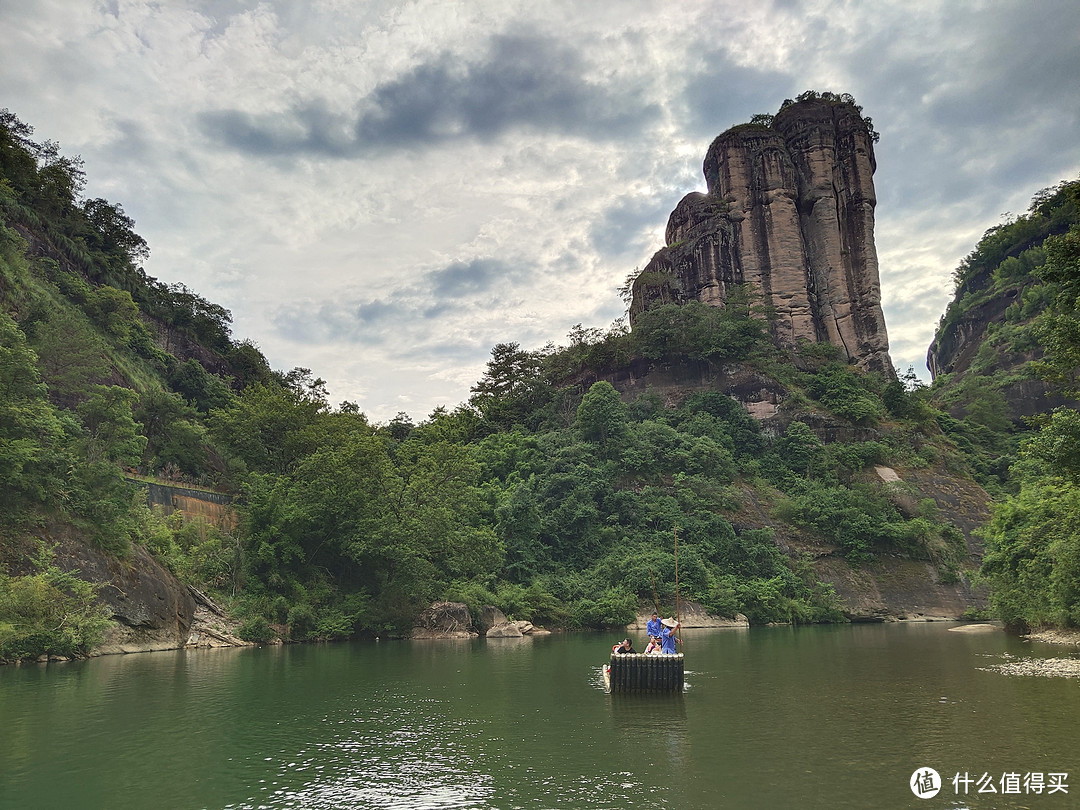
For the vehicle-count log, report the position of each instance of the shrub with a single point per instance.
(615, 607)
(847, 394)
(301, 622)
(256, 630)
(50, 612)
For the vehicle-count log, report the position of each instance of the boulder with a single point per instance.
(151, 609)
(505, 630)
(490, 616)
(444, 620)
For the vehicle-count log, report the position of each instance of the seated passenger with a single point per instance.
(653, 626)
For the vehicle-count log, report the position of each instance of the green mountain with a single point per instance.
(1005, 359)
(801, 488)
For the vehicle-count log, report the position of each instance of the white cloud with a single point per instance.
(382, 191)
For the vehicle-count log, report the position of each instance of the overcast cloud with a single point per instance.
(381, 191)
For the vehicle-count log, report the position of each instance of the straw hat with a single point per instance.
(669, 623)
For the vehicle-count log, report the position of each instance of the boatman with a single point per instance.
(653, 626)
(668, 637)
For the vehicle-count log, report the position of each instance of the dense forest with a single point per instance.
(1028, 270)
(547, 494)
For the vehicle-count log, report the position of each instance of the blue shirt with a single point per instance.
(653, 627)
(667, 641)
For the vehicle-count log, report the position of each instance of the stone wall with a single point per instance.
(214, 507)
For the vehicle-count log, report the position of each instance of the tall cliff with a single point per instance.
(989, 343)
(790, 212)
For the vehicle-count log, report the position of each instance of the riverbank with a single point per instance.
(1068, 637)
(1038, 667)
(693, 615)
(1042, 667)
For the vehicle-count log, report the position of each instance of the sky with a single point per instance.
(383, 191)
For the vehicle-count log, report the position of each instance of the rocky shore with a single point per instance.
(692, 614)
(1038, 667)
(1069, 637)
(447, 620)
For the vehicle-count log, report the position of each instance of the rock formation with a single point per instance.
(445, 620)
(790, 212)
(151, 609)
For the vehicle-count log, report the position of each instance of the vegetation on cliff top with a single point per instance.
(767, 120)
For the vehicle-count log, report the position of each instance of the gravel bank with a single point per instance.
(1039, 667)
(1068, 637)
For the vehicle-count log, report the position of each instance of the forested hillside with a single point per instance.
(549, 494)
(1007, 354)
(988, 357)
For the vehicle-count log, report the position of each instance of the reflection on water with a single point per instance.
(361, 760)
(777, 717)
(655, 723)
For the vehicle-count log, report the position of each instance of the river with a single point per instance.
(812, 717)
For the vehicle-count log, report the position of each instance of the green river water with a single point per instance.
(815, 717)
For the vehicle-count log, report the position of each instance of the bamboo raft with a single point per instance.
(635, 672)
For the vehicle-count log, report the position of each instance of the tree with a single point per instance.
(17, 164)
(205, 391)
(271, 428)
(60, 181)
(248, 364)
(442, 503)
(1055, 449)
(847, 393)
(800, 449)
(31, 457)
(400, 426)
(602, 415)
(1032, 562)
(116, 249)
(174, 434)
(113, 310)
(71, 355)
(112, 433)
(512, 387)
(184, 309)
(49, 612)
(1059, 328)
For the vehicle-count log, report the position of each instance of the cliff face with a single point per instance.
(959, 344)
(790, 212)
(985, 340)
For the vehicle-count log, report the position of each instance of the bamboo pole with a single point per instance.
(677, 618)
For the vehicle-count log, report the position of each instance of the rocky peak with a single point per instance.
(789, 211)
